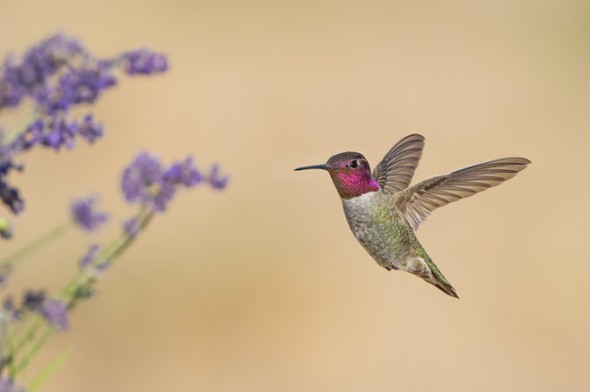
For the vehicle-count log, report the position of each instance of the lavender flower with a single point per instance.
(85, 215)
(7, 385)
(38, 64)
(32, 136)
(54, 78)
(10, 92)
(144, 173)
(85, 85)
(10, 311)
(34, 299)
(60, 134)
(11, 197)
(215, 179)
(4, 277)
(57, 75)
(56, 314)
(144, 62)
(88, 259)
(92, 265)
(147, 181)
(163, 196)
(143, 181)
(89, 129)
(131, 227)
(52, 310)
(184, 173)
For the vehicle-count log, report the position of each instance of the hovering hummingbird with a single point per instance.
(383, 212)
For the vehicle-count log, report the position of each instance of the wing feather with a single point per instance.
(418, 201)
(396, 170)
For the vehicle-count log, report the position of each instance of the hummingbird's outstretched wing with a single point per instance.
(396, 170)
(418, 201)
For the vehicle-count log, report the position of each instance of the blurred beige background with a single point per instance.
(263, 287)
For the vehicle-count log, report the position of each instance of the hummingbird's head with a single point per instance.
(350, 172)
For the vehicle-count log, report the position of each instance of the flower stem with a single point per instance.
(32, 352)
(49, 370)
(17, 346)
(29, 336)
(3, 327)
(113, 250)
(68, 295)
(8, 262)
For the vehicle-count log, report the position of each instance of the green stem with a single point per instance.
(17, 347)
(15, 134)
(29, 336)
(49, 370)
(7, 264)
(3, 326)
(68, 295)
(112, 251)
(32, 352)
(10, 261)
(128, 240)
(10, 356)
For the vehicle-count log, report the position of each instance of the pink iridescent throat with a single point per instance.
(353, 183)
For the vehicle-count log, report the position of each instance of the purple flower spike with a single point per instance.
(34, 299)
(32, 136)
(29, 76)
(131, 227)
(7, 385)
(10, 310)
(89, 129)
(88, 259)
(48, 57)
(11, 92)
(146, 181)
(215, 179)
(144, 62)
(163, 196)
(11, 197)
(144, 172)
(6, 158)
(4, 275)
(143, 181)
(52, 310)
(85, 216)
(56, 314)
(184, 173)
(84, 86)
(61, 134)
(54, 78)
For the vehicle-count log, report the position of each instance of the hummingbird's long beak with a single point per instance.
(322, 166)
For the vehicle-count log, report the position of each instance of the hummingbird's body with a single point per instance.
(383, 213)
(385, 235)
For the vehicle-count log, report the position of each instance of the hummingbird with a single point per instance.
(383, 211)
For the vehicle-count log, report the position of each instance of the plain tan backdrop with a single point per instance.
(262, 287)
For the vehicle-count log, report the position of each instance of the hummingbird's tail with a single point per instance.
(442, 284)
(435, 277)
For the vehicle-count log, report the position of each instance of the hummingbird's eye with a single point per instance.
(354, 164)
